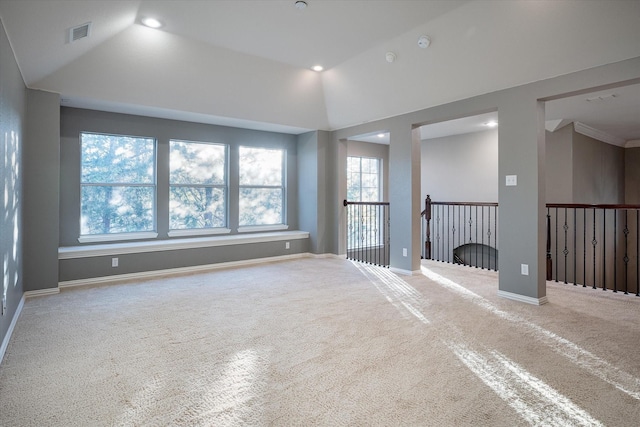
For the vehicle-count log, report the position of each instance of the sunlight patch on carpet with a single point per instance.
(395, 290)
(595, 365)
(234, 398)
(532, 398)
(231, 397)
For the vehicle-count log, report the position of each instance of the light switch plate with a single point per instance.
(524, 269)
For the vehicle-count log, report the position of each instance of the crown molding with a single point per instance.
(632, 143)
(594, 133)
(554, 125)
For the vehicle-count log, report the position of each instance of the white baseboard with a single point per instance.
(405, 272)
(176, 271)
(41, 292)
(5, 341)
(523, 298)
(332, 256)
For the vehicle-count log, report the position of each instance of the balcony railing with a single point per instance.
(595, 246)
(368, 232)
(461, 233)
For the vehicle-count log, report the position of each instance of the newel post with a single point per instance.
(549, 261)
(427, 216)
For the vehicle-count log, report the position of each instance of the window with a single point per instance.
(117, 184)
(363, 179)
(261, 198)
(366, 223)
(198, 185)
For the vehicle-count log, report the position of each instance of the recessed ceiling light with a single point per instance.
(491, 124)
(301, 5)
(151, 23)
(381, 135)
(317, 68)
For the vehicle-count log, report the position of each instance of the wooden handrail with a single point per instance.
(466, 203)
(588, 206)
(347, 203)
(548, 205)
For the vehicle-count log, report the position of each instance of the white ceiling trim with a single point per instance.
(594, 133)
(554, 125)
(634, 143)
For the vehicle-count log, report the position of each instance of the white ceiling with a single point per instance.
(246, 63)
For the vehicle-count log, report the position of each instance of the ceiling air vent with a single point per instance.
(79, 32)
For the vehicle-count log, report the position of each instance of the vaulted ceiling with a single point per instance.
(247, 62)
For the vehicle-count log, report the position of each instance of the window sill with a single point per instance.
(258, 228)
(95, 238)
(72, 252)
(199, 232)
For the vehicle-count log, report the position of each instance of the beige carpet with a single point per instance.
(323, 342)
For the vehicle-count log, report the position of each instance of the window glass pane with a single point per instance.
(260, 166)
(353, 194)
(117, 184)
(353, 164)
(261, 206)
(196, 207)
(363, 179)
(116, 209)
(117, 159)
(366, 166)
(197, 163)
(369, 195)
(369, 181)
(372, 166)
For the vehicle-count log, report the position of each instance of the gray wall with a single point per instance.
(41, 190)
(598, 171)
(632, 175)
(312, 188)
(521, 152)
(12, 136)
(100, 266)
(73, 121)
(464, 168)
(461, 168)
(559, 165)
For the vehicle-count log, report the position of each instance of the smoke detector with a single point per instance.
(424, 42)
(301, 5)
(390, 57)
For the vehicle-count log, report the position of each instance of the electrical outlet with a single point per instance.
(511, 180)
(524, 269)
(287, 245)
(114, 262)
(404, 251)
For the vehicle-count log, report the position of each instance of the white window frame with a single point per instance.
(380, 238)
(184, 232)
(245, 228)
(379, 175)
(133, 235)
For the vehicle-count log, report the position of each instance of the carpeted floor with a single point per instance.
(323, 342)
